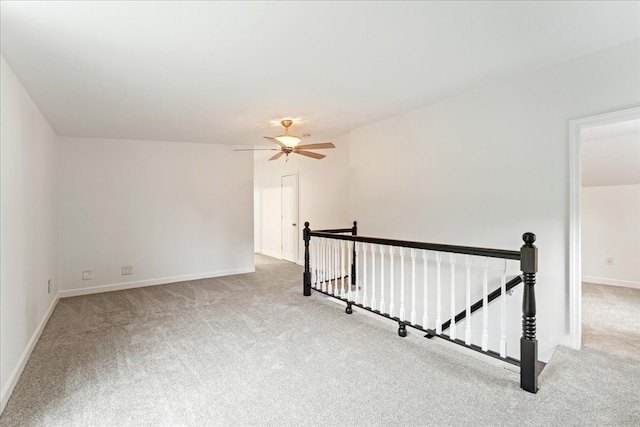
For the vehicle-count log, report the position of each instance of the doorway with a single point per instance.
(289, 190)
(576, 129)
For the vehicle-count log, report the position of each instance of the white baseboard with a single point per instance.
(271, 254)
(611, 282)
(151, 282)
(15, 375)
(278, 256)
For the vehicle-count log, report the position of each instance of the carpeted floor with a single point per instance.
(251, 350)
(611, 320)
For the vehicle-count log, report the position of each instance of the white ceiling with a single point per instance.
(227, 72)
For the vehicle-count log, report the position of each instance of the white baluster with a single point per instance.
(438, 295)
(485, 305)
(336, 267)
(312, 254)
(329, 259)
(321, 263)
(467, 329)
(342, 269)
(349, 264)
(373, 276)
(316, 257)
(413, 286)
(392, 307)
(503, 306)
(332, 272)
(452, 327)
(402, 314)
(364, 274)
(332, 264)
(356, 261)
(425, 314)
(328, 269)
(382, 305)
(315, 260)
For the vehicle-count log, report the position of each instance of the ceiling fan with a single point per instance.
(289, 144)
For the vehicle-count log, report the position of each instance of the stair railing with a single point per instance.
(336, 264)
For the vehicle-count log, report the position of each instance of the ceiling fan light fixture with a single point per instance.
(288, 144)
(288, 140)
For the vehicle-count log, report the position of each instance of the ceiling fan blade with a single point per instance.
(310, 154)
(277, 156)
(317, 146)
(275, 141)
(256, 149)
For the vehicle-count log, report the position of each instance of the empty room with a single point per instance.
(319, 213)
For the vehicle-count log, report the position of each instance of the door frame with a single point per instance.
(575, 188)
(296, 208)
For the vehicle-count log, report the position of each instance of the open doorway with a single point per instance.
(604, 186)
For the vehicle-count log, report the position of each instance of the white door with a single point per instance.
(290, 218)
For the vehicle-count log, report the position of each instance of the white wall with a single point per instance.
(323, 194)
(28, 226)
(611, 228)
(174, 211)
(483, 168)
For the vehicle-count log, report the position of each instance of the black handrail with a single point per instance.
(335, 230)
(478, 305)
(466, 250)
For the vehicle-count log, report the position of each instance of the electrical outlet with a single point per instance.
(49, 286)
(127, 270)
(86, 274)
(608, 260)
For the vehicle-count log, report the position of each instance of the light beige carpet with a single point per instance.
(611, 320)
(250, 350)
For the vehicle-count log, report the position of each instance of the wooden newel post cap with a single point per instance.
(528, 238)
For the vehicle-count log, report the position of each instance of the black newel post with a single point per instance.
(354, 232)
(528, 342)
(306, 276)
